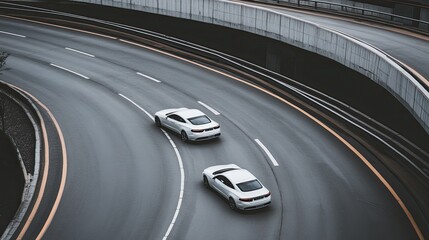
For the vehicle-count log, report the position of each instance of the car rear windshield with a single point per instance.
(200, 120)
(249, 186)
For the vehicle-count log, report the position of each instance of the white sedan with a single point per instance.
(191, 124)
(241, 189)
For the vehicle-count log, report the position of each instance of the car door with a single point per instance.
(171, 122)
(179, 124)
(224, 186)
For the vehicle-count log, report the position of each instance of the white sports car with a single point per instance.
(241, 189)
(191, 124)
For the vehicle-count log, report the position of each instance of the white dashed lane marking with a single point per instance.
(148, 77)
(13, 34)
(70, 71)
(80, 52)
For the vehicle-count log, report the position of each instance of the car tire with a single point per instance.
(158, 122)
(184, 136)
(232, 204)
(206, 182)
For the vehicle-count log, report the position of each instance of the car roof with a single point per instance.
(239, 176)
(189, 113)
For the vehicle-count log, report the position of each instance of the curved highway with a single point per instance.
(123, 176)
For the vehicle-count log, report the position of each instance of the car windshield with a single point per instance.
(249, 186)
(200, 120)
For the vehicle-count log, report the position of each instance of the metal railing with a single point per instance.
(417, 24)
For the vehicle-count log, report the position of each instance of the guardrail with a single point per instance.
(419, 24)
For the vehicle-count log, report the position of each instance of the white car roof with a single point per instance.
(189, 113)
(239, 176)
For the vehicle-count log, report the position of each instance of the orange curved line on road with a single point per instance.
(353, 149)
(63, 174)
(44, 174)
(46, 169)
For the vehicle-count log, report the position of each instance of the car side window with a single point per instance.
(176, 117)
(228, 183)
(180, 119)
(172, 116)
(225, 181)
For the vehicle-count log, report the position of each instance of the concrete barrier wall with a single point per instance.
(397, 8)
(348, 51)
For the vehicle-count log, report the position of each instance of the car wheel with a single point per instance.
(157, 122)
(231, 203)
(184, 136)
(206, 182)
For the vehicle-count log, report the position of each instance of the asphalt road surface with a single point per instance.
(123, 176)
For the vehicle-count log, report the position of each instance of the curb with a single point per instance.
(30, 181)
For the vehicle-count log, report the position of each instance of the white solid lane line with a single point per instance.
(70, 71)
(80, 52)
(270, 156)
(209, 108)
(182, 169)
(13, 34)
(135, 104)
(148, 77)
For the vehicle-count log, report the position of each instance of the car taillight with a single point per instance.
(197, 130)
(217, 127)
(246, 199)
